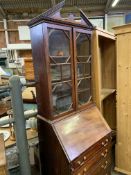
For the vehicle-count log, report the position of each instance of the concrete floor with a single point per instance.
(116, 173)
(35, 171)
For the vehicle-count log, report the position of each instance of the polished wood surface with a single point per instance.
(75, 144)
(3, 168)
(76, 136)
(30, 135)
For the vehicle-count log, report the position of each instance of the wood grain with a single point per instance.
(123, 150)
(3, 168)
(104, 74)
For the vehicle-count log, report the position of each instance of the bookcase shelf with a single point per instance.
(104, 74)
(106, 92)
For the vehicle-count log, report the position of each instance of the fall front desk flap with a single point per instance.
(80, 131)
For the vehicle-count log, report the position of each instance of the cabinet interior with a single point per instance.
(108, 79)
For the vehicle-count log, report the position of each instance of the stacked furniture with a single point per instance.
(29, 71)
(74, 138)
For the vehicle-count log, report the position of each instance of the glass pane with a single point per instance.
(84, 84)
(83, 45)
(66, 72)
(60, 64)
(82, 58)
(84, 90)
(59, 59)
(55, 73)
(84, 97)
(59, 44)
(87, 69)
(62, 97)
(80, 69)
(83, 68)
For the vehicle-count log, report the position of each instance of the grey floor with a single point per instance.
(116, 173)
(35, 171)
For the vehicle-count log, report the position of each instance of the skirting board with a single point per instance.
(122, 171)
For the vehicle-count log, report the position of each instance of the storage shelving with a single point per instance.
(104, 74)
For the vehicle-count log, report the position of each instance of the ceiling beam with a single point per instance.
(121, 8)
(108, 5)
(66, 9)
(83, 8)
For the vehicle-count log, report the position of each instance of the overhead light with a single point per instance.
(115, 2)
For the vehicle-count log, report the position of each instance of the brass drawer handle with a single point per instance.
(105, 143)
(72, 169)
(85, 170)
(80, 163)
(104, 154)
(84, 157)
(104, 166)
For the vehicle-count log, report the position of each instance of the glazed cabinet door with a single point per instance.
(82, 58)
(60, 69)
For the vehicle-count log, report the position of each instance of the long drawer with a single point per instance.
(97, 152)
(96, 164)
(104, 168)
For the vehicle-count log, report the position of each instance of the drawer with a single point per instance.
(100, 149)
(108, 171)
(104, 167)
(98, 163)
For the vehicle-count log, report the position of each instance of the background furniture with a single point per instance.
(74, 138)
(104, 74)
(123, 146)
(29, 71)
(3, 167)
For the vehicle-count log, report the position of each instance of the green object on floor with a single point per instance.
(30, 106)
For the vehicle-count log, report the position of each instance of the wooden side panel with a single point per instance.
(123, 147)
(109, 110)
(39, 49)
(52, 157)
(108, 62)
(96, 69)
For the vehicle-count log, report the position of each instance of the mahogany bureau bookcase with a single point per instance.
(74, 138)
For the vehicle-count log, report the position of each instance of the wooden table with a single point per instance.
(30, 135)
(3, 167)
